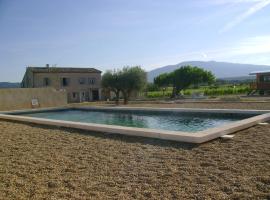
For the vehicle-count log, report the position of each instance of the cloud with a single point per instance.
(254, 45)
(252, 10)
(248, 47)
(254, 50)
(228, 2)
(204, 55)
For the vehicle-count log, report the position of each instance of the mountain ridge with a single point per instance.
(9, 85)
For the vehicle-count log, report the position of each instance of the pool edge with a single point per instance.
(190, 137)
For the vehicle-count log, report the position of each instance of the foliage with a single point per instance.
(151, 87)
(188, 75)
(159, 94)
(126, 81)
(184, 77)
(207, 91)
(110, 81)
(132, 79)
(163, 80)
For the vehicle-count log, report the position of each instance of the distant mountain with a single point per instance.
(220, 69)
(9, 85)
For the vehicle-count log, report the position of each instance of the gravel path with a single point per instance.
(38, 162)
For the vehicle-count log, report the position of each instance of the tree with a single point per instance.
(110, 81)
(132, 79)
(150, 87)
(163, 80)
(126, 81)
(185, 76)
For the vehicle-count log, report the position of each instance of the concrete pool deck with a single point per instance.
(198, 137)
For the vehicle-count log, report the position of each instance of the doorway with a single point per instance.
(82, 96)
(95, 95)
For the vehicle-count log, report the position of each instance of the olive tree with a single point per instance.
(132, 79)
(184, 77)
(163, 80)
(126, 81)
(110, 81)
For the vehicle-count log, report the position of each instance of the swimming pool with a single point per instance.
(173, 121)
(177, 124)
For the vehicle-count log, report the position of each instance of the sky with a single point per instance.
(109, 34)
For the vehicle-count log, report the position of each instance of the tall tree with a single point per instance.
(186, 76)
(163, 80)
(132, 79)
(126, 81)
(110, 81)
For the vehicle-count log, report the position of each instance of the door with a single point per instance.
(95, 95)
(82, 96)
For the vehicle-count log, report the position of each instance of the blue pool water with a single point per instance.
(154, 120)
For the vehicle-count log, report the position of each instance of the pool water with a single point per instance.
(173, 121)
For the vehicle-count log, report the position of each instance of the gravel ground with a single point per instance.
(41, 162)
(38, 162)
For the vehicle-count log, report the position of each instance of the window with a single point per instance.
(82, 81)
(46, 82)
(266, 79)
(261, 78)
(65, 81)
(91, 81)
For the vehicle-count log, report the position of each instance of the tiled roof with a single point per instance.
(259, 72)
(62, 70)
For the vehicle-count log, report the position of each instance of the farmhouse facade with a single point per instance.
(81, 84)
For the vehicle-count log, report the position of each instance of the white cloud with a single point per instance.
(254, 45)
(247, 47)
(260, 4)
(222, 2)
(204, 55)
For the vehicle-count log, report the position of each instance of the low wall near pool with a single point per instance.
(25, 98)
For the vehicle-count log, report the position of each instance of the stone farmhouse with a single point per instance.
(81, 84)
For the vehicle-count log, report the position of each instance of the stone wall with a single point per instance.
(21, 98)
(74, 88)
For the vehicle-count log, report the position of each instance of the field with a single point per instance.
(40, 162)
(207, 91)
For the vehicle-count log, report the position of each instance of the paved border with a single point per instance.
(197, 137)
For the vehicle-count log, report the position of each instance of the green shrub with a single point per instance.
(159, 94)
(207, 91)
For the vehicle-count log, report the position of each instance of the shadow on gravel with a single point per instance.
(124, 138)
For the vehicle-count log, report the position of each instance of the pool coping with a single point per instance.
(190, 137)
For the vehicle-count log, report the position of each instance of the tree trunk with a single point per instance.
(173, 92)
(126, 97)
(117, 94)
(176, 91)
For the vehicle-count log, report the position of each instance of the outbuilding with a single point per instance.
(262, 82)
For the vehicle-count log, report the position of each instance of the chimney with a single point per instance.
(47, 65)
